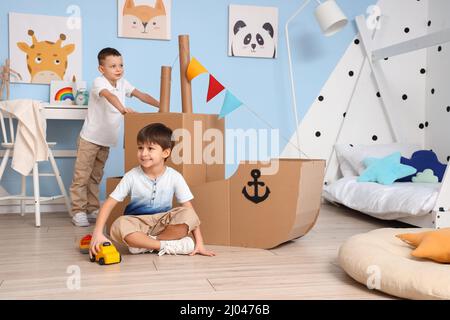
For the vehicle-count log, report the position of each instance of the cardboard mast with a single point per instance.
(164, 99)
(186, 88)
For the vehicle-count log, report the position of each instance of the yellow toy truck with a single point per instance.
(108, 254)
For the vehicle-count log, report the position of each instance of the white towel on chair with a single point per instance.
(30, 144)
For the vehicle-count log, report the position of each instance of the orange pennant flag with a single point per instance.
(195, 69)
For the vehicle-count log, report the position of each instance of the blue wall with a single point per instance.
(262, 84)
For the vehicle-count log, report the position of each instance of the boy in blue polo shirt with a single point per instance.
(149, 222)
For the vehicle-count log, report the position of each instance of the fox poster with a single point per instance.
(144, 19)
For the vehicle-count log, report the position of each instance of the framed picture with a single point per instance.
(44, 48)
(253, 31)
(144, 19)
(68, 93)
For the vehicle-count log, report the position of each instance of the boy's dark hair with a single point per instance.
(156, 133)
(105, 52)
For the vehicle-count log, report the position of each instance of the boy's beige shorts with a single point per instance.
(153, 224)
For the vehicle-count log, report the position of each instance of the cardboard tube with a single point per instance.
(186, 89)
(164, 98)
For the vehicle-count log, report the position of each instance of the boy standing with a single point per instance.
(149, 222)
(99, 133)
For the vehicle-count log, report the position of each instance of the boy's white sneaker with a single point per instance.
(182, 246)
(92, 217)
(80, 220)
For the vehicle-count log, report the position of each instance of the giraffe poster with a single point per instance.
(45, 48)
(144, 19)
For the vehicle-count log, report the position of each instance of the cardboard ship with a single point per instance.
(250, 209)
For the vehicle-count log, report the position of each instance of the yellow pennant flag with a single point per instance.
(195, 69)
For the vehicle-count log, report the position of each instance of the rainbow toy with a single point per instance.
(64, 94)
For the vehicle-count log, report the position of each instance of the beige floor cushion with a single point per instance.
(380, 260)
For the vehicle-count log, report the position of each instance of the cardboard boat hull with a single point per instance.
(290, 211)
(229, 218)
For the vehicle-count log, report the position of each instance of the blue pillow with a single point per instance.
(422, 160)
(385, 170)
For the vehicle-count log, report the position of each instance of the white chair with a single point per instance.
(8, 146)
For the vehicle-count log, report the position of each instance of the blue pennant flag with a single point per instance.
(230, 104)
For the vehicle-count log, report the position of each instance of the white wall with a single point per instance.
(364, 121)
(438, 104)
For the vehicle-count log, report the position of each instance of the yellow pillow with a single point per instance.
(413, 239)
(433, 245)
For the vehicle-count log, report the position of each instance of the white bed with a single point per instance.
(420, 204)
(400, 200)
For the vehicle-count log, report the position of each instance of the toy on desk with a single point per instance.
(82, 97)
(85, 243)
(108, 254)
(80, 92)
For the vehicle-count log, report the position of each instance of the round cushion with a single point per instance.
(381, 261)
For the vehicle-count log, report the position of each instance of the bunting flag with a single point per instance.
(195, 69)
(215, 87)
(230, 104)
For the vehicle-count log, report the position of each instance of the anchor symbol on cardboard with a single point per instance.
(256, 198)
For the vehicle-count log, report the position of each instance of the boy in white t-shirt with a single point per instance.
(149, 222)
(99, 133)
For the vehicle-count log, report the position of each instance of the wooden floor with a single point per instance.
(34, 264)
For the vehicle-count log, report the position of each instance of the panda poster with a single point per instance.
(144, 19)
(253, 31)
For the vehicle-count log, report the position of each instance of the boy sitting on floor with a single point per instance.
(149, 222)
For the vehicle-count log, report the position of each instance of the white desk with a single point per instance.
(64, 113)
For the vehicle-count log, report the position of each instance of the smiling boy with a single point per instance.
(149, 222)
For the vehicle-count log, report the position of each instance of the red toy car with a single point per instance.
(85, 242)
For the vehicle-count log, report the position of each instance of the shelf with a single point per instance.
(64, 113)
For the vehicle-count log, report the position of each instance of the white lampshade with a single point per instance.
(330, 17)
